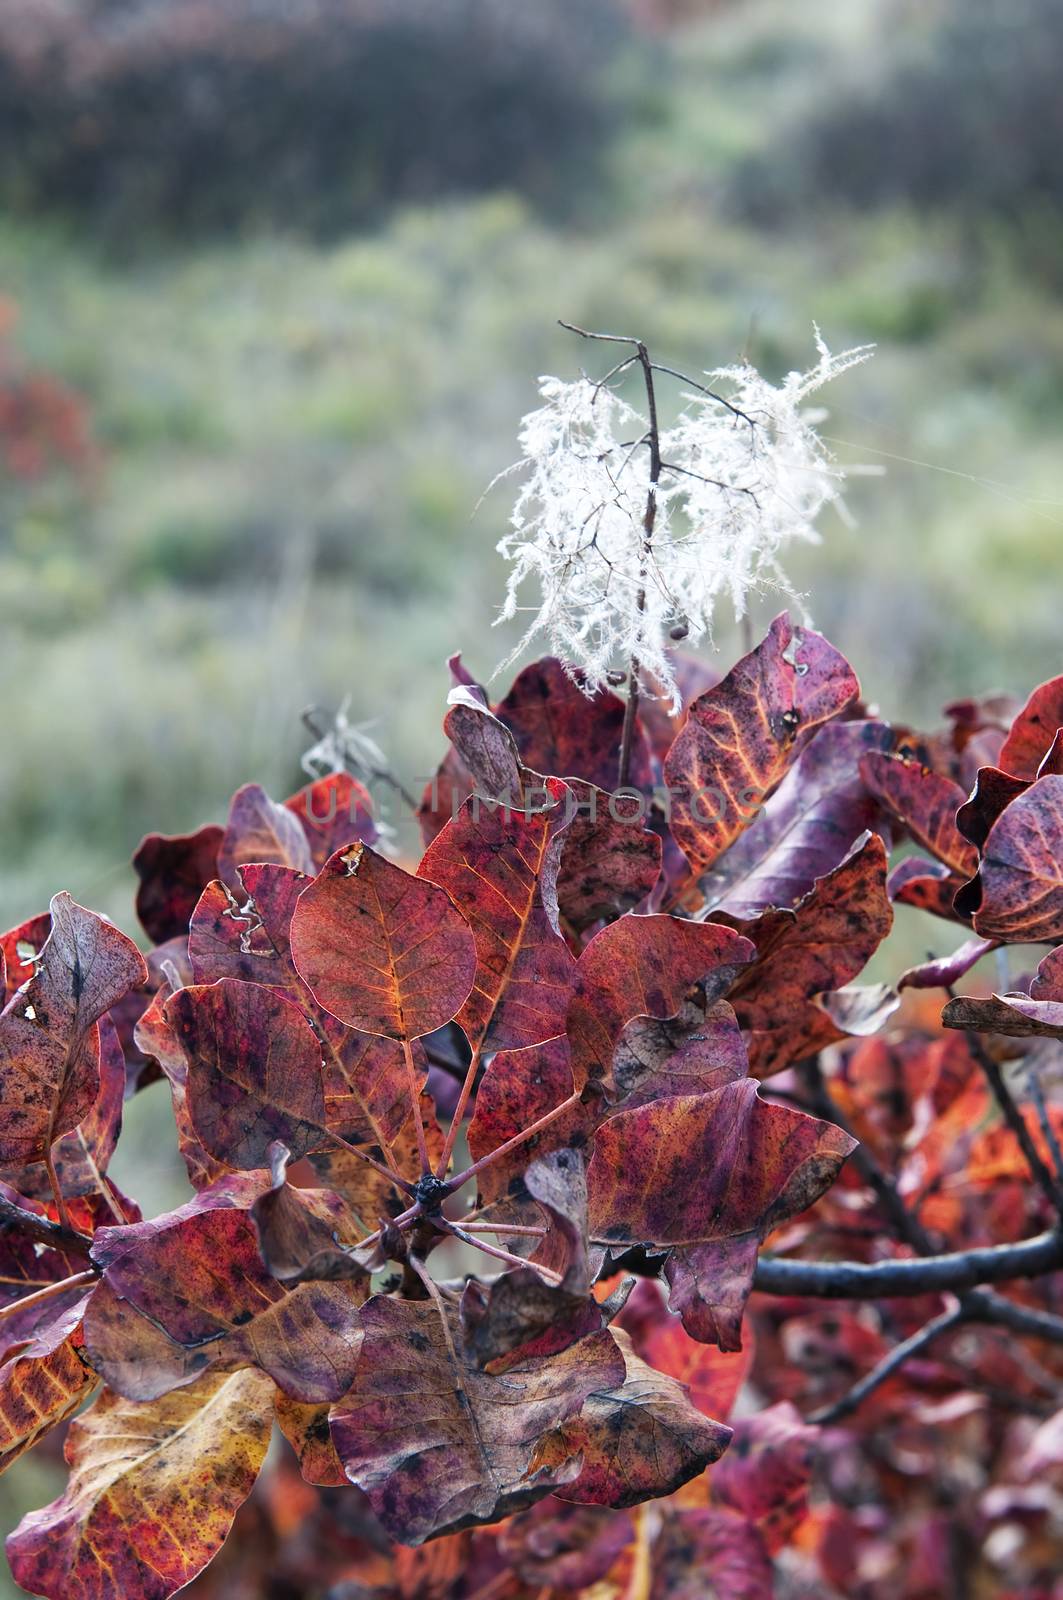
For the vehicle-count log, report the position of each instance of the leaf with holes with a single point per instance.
(49, 1043)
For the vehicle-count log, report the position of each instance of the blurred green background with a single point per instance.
(300, 362)
(277, 278)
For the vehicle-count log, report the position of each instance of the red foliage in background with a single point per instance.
(44, 424)
(640, 1016)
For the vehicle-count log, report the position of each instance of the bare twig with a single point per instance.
(517, 1140)
(379, 1166)
(649, 519)
(42, 1230)
(1048, 1183)
(459, 1114)
(497, 1252)
(913, 1346)
(931, 1274)
(49, 1292)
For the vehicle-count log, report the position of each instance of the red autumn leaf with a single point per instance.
(639, 1441)
(517, 1088)
(642, 967)
(927, 886)
(307, 1430)
(174, 869)
(559, 1546)
(196, 1276)
(766, 1477)
(705, 1554)
(249, 937)
(247, 934)
(992, 792)
(152, 1494)
(499, 866)
(709, 1284)
(1033, 731)
(259, 830)
(253, 1071)
(693, 676)
(821, 807)
(712, 1377)
(610, 862)
(49, 1044)
(437, 1443)
(926, 803)
(698, 1050)
(300, 1230)
(29, 1264)
(158, 1041)
(43, 1383)
(82, 1156)
(810, 951)
(561, 731)
(1021, 875)
(1047, 982)
(742, 736)
(1014, 1015)
(19, 949)
(703, 1169)
(385, 952)
(520, 1318)
(333, 811)
(943, 972)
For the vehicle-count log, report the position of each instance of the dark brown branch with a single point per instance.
(913, 1346)
(43, 1231)
(649, 518)
(931, 1274)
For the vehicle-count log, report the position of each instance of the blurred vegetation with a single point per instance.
(290, 432)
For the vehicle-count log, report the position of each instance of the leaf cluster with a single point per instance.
(484, 1156)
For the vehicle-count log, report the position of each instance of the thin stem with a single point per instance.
(889, 1364)
(379, 1166)
(904, 1224)
(57, 1192)
(649, 519)
(401, 1222)
(630, 713)
(518, 1139)
(501, 1228)
(500, 1254)
(415, 1103)
(49, 1292)
(1048, 1184)
(1037, 1095)
(982, 1305)
(459, 1115)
